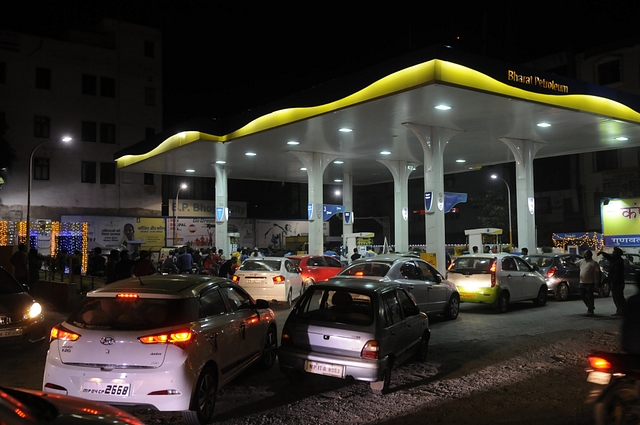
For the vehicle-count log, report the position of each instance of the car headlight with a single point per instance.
(34, 311)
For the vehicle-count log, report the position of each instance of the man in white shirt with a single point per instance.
(589, 275)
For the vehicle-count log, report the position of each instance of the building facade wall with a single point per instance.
(125, 61)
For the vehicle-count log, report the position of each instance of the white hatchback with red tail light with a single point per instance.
(497, 279)
(162, 342)
(271, 278)
(353, 328)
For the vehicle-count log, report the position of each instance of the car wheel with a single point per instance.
(305, 285)
(541, 299)
(604, 290)
(453, 308)
(502, 305)
(270, 349)
(289, 301)
(619, 405)
(382, 387)
(421, 354)
(562, 293)
(204, 399)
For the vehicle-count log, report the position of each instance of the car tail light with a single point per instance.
(59, 332)
(286, 340)
(371, 350)
(235, 278)
(551, 271)
(492, 269)
(278, 279)
(181, 338)
(599, 363)
(127, 296)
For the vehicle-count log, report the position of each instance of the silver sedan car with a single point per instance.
(433, 293)
(348, 328)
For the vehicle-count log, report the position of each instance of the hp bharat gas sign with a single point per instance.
(621, 222)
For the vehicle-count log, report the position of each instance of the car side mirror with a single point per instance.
(298, 269)
(410, 309)
(261, 304)
(536, 268)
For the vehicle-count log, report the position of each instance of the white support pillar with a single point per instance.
(524, 151)
(222, 241)
(347, 201)
(433, 141)
(400, 170)
(315, 163)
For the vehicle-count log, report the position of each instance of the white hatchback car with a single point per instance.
(162, 342)
(270, 278)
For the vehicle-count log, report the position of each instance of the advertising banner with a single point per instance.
(621, 222)
(206, 208)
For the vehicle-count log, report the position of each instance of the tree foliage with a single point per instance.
(494, 210)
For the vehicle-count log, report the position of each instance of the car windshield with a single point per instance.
(368, 268)
(134, 313)
(539, 261)
(336, 306)
(260, 265)
(472, 265)
(8, 285)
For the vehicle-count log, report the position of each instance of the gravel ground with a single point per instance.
(517, 380)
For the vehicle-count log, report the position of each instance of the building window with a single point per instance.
(150, 96)
(3, 72)
(107, 133)
(148, 179)
(41, 127)
(107, 87)
(89, 131)
(88, 172)
(108, 173)
(605, 160)
(149, 49)
(609, 72)
(43, 78)
(41, 168)
(89, 84)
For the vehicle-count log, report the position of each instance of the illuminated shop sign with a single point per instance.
(534, 80)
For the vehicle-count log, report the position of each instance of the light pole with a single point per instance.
(175, 215)
(493, 176)
(28, 229)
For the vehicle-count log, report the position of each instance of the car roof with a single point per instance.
(550, 255)
(169, 286)
(356, 283)
(489, 254)
(302, 256)
(386, 258)
(265, 258)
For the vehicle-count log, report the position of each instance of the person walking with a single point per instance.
(616, 279)
(589, 275)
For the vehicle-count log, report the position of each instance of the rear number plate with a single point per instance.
(11, 332)
(106, 388)
(324, 369)
(467, 295)
(599, 378)
(249, 280)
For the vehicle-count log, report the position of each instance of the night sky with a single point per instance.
(222, 58)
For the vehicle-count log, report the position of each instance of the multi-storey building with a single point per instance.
(103, 89)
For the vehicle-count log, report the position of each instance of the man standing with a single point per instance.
(20, 263)
(616, 279)
(228, 268)
(589, 275)
(355, 254)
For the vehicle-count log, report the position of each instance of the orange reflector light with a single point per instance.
(599, 363)
(235, 278)
(127, 296)
(360, 273)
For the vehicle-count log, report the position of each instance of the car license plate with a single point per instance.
(249, 280)
(600, 378)
(11, 332)
(91, 387)
(467, 295)
(324, 369)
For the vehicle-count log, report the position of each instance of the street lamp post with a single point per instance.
(175, 215)
(493, 176)
(28, 229)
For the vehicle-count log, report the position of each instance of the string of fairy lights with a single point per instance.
(71, 238)
(593, 240)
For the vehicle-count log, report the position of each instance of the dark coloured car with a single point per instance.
(432, 292)
(21, 317)
(353, 328)
(28, 407)
(631, 267)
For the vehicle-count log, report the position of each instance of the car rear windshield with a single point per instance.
(539, 261)
(472, 265)
(336, 306)
(369, 268)
(260, 265)
(134, 313)
(8, 285)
